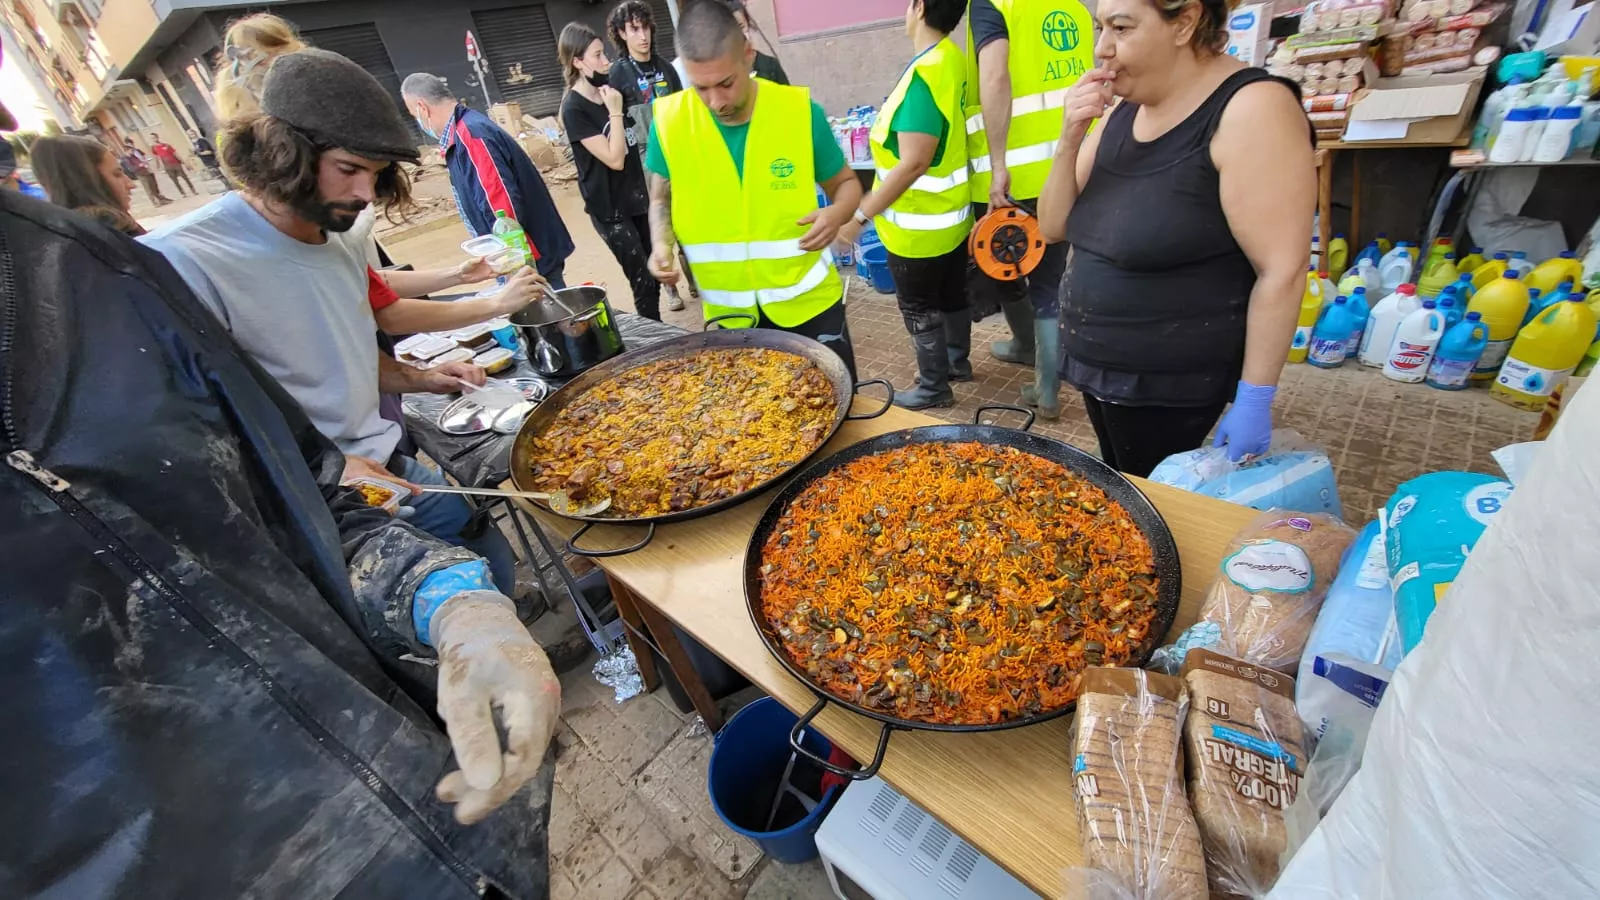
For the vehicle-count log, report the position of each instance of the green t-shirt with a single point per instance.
(828, 158)
(918, 113)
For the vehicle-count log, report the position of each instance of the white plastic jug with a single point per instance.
(1395, 269)
(1414, 344)
(1383, 322)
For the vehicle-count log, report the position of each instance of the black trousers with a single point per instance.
(935, 284)
(180, 179)
(1135, 439)
(629, 240)
(830, 328)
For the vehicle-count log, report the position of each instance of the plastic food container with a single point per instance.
(459, 354)
(507, 260)
(423, 347)
(495, 361)
(482, 245)
(385, 495)
(476, 338)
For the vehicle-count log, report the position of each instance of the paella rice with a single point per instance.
(680, 433)
(956, 583)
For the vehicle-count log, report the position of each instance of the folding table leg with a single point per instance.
(634, 629)
(682, 667)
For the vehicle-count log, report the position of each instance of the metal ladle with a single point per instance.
(546, 358)
(559, 501)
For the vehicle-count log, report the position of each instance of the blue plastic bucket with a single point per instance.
(747, 765)
(876, 260)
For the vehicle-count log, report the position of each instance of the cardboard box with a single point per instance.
(1416, 109)
(508, 116)
(1248, 29)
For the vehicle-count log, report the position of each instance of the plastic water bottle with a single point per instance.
(1331, 335)
(1384, 323)
(1395, 269)
(1414, 344)
(1458, 353)
(1359, 312)
(510, 233)
(1544, 354)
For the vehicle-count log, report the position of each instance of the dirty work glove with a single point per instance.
(1247, 426)
(488, 662)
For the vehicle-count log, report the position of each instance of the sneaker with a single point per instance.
(674, 302)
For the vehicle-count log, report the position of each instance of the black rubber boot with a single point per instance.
(958, 336)
(1018, 350)
(933, 365)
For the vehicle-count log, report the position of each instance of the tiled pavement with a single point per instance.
(631, 817)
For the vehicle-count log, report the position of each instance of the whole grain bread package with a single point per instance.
(1274, 577)
(1246, 754)
(1138, 836)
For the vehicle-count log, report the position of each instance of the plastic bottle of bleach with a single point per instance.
(1437, 250)
(1329, 289)
(1371, 252)
(1331, 334)
(1384, 323)
(1471, 261)
(1395, 269)
(1452, 309)
(1384, 245)
(1502, 303)
(1464, 288)
(1544, 354)
(1439, 274)
(1310, 309)
(1361, 275)
(1359, 313)
(1556, 142)
(1546, 276)
(1489, 271)
(1458, 352)
(1414, 343)
(1338, 256)
(1520, 264)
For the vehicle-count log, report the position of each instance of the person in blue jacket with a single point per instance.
(490, 173)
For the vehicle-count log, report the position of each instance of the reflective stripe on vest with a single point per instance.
(1051, 44)
(933, 216)
(740, 234)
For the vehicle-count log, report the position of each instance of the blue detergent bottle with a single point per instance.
(1451, 306)
(1332, 335)
(1465, 289)
(1359, 313)
(1538, 304)
(1458, 353)
(1371, 252)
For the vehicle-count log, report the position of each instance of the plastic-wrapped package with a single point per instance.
(1246, 753)
(1337, 701)
(1138, 835)
(1274, 576)
(1357, 618)
(1430, 525)
(1480, 778)
(1294, 474)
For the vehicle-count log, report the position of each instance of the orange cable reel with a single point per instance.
(1006, 243)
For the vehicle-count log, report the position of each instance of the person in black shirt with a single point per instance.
(766, 66)
(206, 153)
(610, 175)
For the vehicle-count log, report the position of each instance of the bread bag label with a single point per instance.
(1270, 566)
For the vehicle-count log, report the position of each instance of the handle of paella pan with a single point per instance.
(977, 417)
(753, 320)
(608, 552)
(797, 734)
(887, 401)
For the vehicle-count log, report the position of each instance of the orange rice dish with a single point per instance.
(957, 584)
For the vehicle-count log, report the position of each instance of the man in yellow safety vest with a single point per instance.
(1022, 56)
(922, 204)
(734, 163)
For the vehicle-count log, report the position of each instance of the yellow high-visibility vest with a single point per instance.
(934, 215)
(1051, 46)
(739, 235)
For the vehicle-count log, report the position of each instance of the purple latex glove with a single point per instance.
(1247, 426)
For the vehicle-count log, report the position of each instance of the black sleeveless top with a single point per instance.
(1154, 300)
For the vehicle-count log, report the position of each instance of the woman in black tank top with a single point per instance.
(1188, 209)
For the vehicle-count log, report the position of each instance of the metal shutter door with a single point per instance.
(520, 50)
(363, 45)
(666, 46)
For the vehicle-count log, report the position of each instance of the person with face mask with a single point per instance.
(490, 173)
(734, 166)
(277, 263)
(610, 176)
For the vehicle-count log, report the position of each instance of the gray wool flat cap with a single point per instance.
(337, 101)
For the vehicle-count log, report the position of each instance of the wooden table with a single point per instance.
(1328, 153)
(1007, 793)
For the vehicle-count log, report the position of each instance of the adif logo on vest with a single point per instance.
(1060, 32)
(782, 169)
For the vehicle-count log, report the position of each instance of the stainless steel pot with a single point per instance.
(569, 331)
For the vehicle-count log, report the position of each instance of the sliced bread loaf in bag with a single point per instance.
(1138, 837)
(1246, 753)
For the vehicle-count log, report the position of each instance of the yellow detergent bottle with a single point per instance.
(1489, 271)
(1384, 244)
(1590, 359)
(1544, 354)
(1548, 275)
(1502, 303)
(1441, 273)
(1436, 252)
(1310, 308)
(1338, 256)
(1470, 263)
